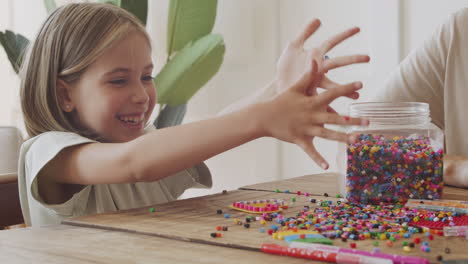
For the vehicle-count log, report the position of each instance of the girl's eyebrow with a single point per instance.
(125, 70)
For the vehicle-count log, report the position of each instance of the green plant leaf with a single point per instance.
(112, 2)
(170, 116)
(137, 7)
(190, 69)
(14, 45)
(188, 21)
(50, 6)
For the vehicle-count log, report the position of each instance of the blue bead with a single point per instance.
(425, 243)
(262, 230)
(227, 215)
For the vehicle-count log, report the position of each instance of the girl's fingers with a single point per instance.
(309, 148)
(307, 32)
(329, 95)
(331, 110)
(326, 133)
(335, 119)
(335, 40)
(329, 84)
(344, 61)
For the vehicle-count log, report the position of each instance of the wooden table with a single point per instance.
(179, 231)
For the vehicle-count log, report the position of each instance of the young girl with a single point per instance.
(87, 93)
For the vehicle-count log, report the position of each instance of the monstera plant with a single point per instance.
(194, 53)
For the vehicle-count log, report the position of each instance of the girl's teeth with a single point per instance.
(131, 119)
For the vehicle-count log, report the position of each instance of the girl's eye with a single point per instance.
(118, 81)
(147, 78)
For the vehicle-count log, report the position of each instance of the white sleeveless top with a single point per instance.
(38, 151)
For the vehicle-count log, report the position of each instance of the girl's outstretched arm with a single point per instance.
(291, 116)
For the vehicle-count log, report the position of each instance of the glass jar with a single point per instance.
(396, 158)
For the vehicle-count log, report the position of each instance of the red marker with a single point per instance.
(300, 253)
(322, 255)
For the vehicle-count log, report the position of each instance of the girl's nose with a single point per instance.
(140, 95)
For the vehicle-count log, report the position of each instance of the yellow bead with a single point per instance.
(262, 222)
(383, 236)
(406, 249)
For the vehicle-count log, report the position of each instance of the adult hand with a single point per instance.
(295, 60)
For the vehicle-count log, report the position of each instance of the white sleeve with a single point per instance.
(198, 176)
(420, 76)
(35, 154)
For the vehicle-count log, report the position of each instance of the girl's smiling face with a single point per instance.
(115, 96)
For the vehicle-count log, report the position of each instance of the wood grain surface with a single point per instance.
(78, 245)
(194, 219)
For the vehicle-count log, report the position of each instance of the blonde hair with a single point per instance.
(71, 39)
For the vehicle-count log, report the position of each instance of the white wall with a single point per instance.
(420, 22)
(250, 32)
(7, 75)
(255, 32)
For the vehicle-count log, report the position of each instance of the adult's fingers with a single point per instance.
(307, 32)
(344, 61)
(303, 84)
(335, 40)
(329, 95)
(309, 148)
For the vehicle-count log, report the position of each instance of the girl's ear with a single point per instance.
(64, 96)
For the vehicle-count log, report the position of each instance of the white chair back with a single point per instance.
(10, 143)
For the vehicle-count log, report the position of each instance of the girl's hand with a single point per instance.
(295, 60)
(297, 118)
